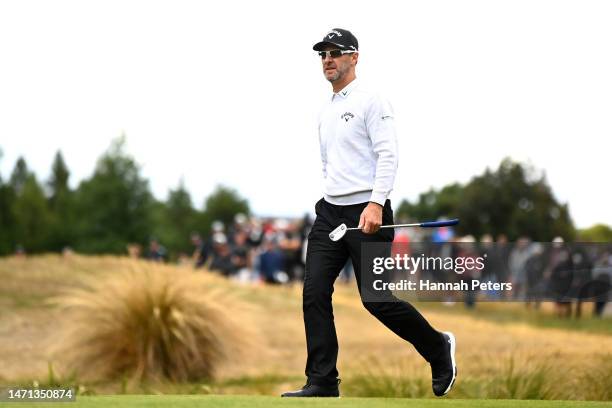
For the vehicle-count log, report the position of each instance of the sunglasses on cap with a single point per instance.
(334, 53)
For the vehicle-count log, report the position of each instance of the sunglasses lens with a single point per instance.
(332, 53)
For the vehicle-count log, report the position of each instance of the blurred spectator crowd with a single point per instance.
(273, 251)
(569, 274)
(252, 249)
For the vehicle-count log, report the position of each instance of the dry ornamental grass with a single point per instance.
(147, 323)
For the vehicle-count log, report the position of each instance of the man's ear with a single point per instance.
(355, 57)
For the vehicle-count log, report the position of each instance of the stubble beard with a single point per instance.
(341, 71)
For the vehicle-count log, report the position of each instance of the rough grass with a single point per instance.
(542, 317)
(516, 379)
(147, 323)
(501, 352)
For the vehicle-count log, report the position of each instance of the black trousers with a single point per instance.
(324, 261)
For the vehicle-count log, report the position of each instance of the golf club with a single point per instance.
(342, 229)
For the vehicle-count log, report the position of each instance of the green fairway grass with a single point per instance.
(242, 401)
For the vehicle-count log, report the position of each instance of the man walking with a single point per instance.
(359, 155)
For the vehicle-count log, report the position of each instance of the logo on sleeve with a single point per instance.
(346, 116)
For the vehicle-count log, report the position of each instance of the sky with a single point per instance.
(228, 92)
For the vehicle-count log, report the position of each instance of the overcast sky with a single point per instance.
(228, 92)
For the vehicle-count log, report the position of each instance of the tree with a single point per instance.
(61, 205)
(596, 233)
(7, 217)
(58, 182)
(19, 175)
(514, 200)
(175, 220)
(32, 216)
(25, 211)
(432, 204)
(114, 205)
(223, 205)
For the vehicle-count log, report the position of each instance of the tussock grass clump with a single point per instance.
(531, 381)
(148, 323)
(597, 382)
(397, 380)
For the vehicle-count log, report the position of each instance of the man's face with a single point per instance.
(335, 69)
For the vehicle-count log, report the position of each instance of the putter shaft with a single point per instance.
(387, 226)
(342, 229)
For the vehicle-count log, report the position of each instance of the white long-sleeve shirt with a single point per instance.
(358, 147)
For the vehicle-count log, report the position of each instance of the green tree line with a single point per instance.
(514, 200)
(114, 207)
(104, 213)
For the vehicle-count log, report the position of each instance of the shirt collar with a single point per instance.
(345, 92)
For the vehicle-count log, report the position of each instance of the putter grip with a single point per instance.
(443, 223)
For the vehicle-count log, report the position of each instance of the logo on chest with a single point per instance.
(346, 116)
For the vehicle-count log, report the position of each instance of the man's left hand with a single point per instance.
(371, 218)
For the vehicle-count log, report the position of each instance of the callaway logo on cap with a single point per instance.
(338, 37)
(331, 34)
